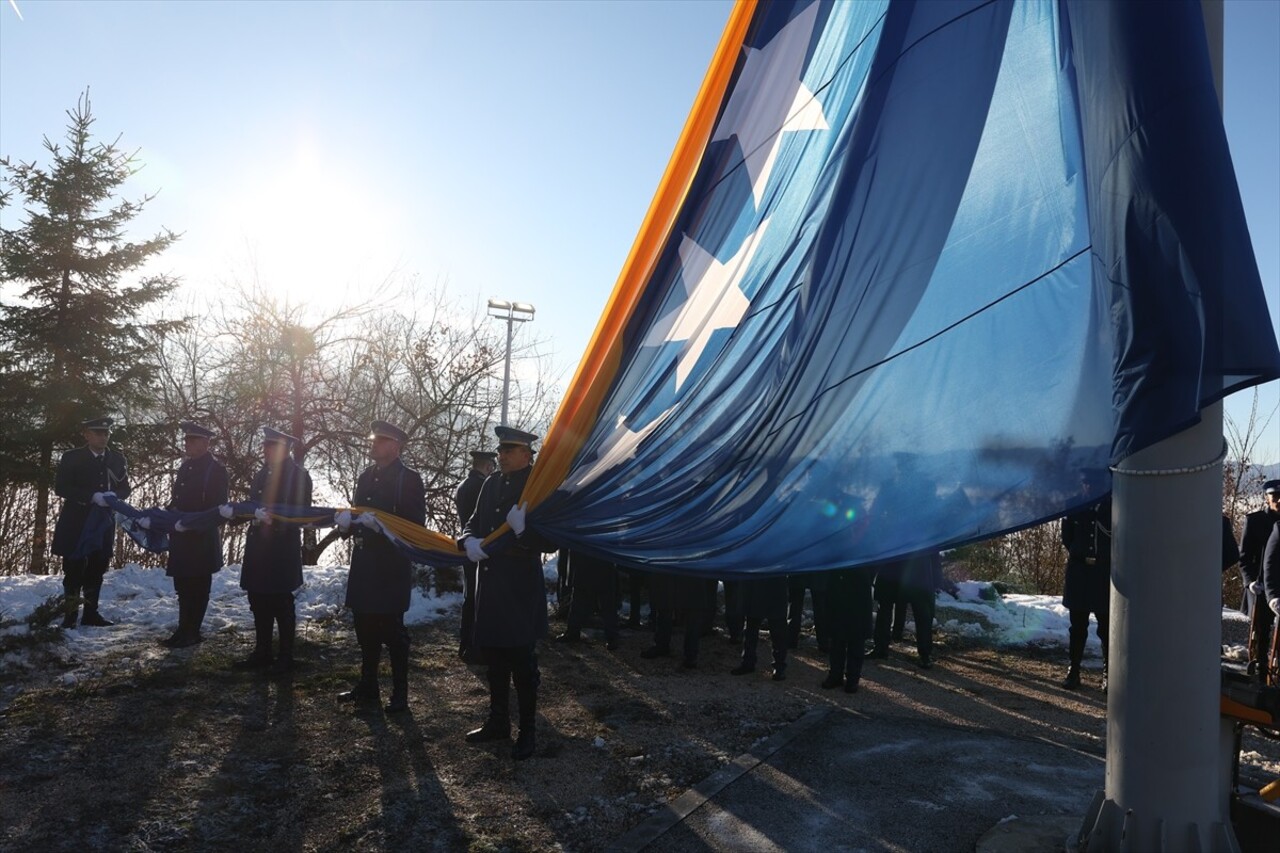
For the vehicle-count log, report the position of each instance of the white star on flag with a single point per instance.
(770, 98)
(715, 300)
(620, 446)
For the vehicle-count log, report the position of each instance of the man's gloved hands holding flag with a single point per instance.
(342, 520)
(475, 553)
(370, 521)
(226, 511)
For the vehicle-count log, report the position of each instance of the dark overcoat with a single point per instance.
(765, 598)
(80, 475)
(464, 499)
(273, 552)
(1086, 534)
(1271, 567)
(888, 586)
(199, 485)
(589, 574)
(381, 576)
(511, 597)
(1253, 544)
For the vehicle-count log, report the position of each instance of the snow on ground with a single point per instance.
(978, 611)
(142, 603)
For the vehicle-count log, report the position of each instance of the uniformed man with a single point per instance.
(381, 577)
(272, 567)
(594, 585)
(1253, 543)
(688, 597)
(85, 476)
(849, 610)
(511, 603)
(1270, 594)
(464, 499)
(764, 599)
(1086, 534)
(195, 555)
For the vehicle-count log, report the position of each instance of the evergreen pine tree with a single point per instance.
(74, 340)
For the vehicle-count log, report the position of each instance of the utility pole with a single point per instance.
(512, 313)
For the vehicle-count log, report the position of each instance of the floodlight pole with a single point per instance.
(1165, 788)
(512, 313)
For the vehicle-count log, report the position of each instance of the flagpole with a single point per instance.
(1164, 782)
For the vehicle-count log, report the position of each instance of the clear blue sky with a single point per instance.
(509, 149)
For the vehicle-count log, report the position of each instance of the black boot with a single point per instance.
(178, 639)
(288, 623)
(399, 677)
(261, 656)
(366, 690)
(188, 633)
(91, 615)
(70, 611)
(527, 699)
(1072, 681)
(498, 725)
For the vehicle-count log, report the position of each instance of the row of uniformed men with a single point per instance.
(505, 595)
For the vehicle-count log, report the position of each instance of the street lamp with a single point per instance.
(512, 312)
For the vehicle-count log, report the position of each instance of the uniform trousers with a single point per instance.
(193, 601)
(508, 665)
(375, 630)
(1079, 633)
(83, 576)
(850, 598)
(270, 609)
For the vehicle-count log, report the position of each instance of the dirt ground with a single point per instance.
(171, 750)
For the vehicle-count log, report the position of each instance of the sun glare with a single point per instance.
(311, 230)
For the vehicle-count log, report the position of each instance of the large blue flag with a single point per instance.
(916, 269)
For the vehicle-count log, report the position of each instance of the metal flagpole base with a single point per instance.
(1109, 827)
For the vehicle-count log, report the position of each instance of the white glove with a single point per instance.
(343, 520)
(1255, 587)
(1275, 606)
(179, 527)
(515, 517)
(99, 498)
(475, 553)
(144, 523)
(261, 514)
(227, 511)
(370, 521)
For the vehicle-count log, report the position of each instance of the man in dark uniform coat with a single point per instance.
(85, 475)
(693, 599)
(381, 577)
(594, 585)
(1086, 534)
(764, 598)
(1270, 594)
(272, 567)
(1253, 543)
(913, 580)
(849, 614)
(816, 583)
(511, 603)
(464, 499)
(195, 555)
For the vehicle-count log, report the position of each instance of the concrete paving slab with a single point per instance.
(837, 780)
